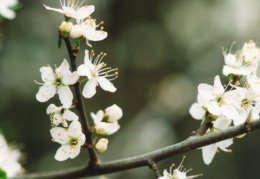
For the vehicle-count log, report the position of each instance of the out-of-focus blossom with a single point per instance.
(6, 8)
(9, 158)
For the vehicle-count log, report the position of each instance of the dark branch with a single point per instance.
(189, 144)
(73, 52)
(152, 164)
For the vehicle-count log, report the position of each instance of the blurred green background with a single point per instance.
(163, 48)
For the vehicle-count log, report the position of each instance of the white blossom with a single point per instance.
(71, 140)
(179, 173)
(61, 115)
(216, 99)
(101, 145)
(9, 160)
(73, 9)
(57, 82)
(209, 151)
(97, 73)
(243, 62)
(106, 123)
(88, 29)
(6, 8)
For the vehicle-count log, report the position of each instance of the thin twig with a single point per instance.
(94, 159)
(153, 165)
(189, 144)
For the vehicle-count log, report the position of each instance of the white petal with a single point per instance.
(214, 108)
(70, 78)
(75, 129)
(81, 139)
(83, 70)
(52, 109)
(84, 12)
(59, 135)
(206, 91)
(97, 117)
(45, 93)
(114, 112)
(47, 74)
(106, 85)
(105, 128)
(63, 153)
(208, 153)
(69, 115)
(63, 68)
(65, 96)
(53, 9)
(218, 85)
(230, 59)
(222, 123)
(223, 145)
(7, 13)
(197, 112)
(74, 152)
(229, 112)
(89, 89)
(57, 119)
(95, 35)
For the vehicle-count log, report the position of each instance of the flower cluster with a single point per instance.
(9, 160)
(6, 8)
(231, 104)
(66, 128)
(83, 25)
(179, 173)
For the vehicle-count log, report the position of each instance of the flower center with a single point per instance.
(58, 82)
(220, 100)
(73, 142)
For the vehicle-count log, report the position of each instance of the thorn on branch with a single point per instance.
(152, 165)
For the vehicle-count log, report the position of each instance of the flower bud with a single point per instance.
(114, 113)
(101, 145)
(76, 31)
(65, 27)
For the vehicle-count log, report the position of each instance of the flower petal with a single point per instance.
(74, 152)
(97, 117)
(59, 135)
(63, 68)
(84, 12)
(197, 112)
(69, 116)
(222, 123)
(214, 108)
(95, 35)
(63, 153)
(70, 78)
(229, 112)
(75, 129)
(218, 85)
(89, 89)
(223, 145)
(45, 93)
(65, 96)
(114, 112)
(208, 153)
(47, 74)
(106, 85)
